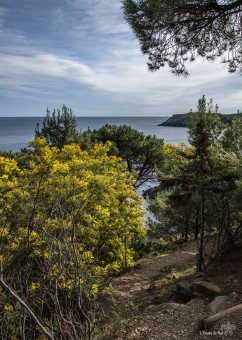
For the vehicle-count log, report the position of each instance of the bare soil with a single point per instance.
(151, 284)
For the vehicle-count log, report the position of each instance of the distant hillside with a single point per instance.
(181, 120)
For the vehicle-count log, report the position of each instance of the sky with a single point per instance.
(82, 54)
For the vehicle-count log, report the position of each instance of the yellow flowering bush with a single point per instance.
(177, 156)
(178, 153)
(67, 221)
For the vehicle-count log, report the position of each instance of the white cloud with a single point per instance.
(41, 64)
(127, 80)
(90, 46)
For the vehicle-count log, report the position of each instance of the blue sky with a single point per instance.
(82, 53)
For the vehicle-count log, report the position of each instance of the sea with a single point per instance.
(15, 132)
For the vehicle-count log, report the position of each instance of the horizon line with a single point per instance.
(87, 116)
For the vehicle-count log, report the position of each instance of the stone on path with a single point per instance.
(217, 303)
(183, 289)
(203, 288)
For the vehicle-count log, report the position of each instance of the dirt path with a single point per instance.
(151, 284)
(146, 283)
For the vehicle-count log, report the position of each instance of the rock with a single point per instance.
(198, 279)
(198, 294)
(217, 303)
(193, 302)
(181, 120)
(203, 288)
(184, 290)
(176, 120)
(152, 192)
(183, 286)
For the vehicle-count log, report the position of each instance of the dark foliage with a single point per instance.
(59, 128)
(176, 32)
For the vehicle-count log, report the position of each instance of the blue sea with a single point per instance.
(16, 131)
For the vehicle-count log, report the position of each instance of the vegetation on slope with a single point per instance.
(70, 215)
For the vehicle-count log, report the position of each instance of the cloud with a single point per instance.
(126, 79)
(40, 64)
(103, 16)
(85, 46)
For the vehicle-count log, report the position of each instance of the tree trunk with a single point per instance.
(197, 225)
(186, 231)
(200, 254)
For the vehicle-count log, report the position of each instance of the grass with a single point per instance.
(187, 272)
(163, 255)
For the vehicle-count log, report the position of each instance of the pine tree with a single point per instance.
(59, 128)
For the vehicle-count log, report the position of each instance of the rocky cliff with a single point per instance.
(181, 120)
